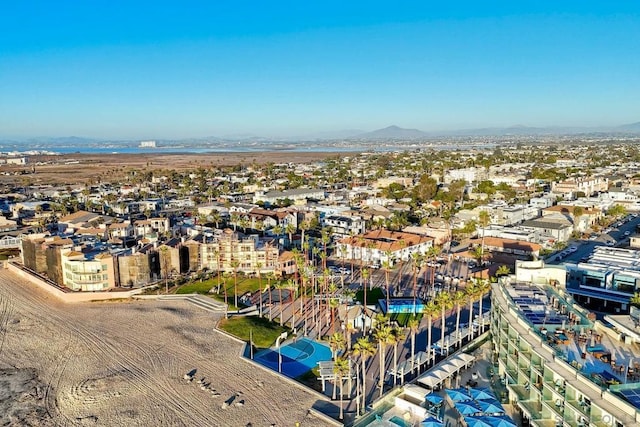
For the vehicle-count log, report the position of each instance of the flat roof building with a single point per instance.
(605, 281)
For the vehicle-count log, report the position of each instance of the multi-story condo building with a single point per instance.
(344, 225)
(559, 365)
(85, 272)
(571, 187)
(607, 280)
(378, 246)
(231, 251)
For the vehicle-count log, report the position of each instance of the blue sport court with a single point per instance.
(298, 357)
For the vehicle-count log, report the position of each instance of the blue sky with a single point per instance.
(142, 69)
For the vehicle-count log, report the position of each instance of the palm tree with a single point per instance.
(292, 286)
(277, 230)
(484, 219)
(258, 270)
(337, 342)
(235, 264)
(503, 270)
(432, 254)
(325, 238)
(578, 211)
(383, 337)
(471, 292)
(270, 276)
(397, 336)
(280, 286)
(365, 349)
(365, 276)
(458, 299)
(304, 226)
(215, 217)
(484, 286)
(334, 303)
(341, 367)
(413, 324)
(444, 302)
(416, 259)
(290, 229)
(386, 264)
(348, 330)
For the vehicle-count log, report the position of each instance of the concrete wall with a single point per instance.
(68, 297)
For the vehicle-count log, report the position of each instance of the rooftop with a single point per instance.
(597, 352)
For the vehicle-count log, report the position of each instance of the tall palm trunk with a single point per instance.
(443, 326)
(471, 334)
(383, 350)
(364, 382)
(281, 306)
(395, 363)
(429, 340)
(458, 337)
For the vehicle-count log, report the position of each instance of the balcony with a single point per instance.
(519, 390)
(580, 407)
(532, 408)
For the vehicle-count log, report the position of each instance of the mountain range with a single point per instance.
(392, 132)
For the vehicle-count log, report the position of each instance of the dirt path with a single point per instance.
(122, 364)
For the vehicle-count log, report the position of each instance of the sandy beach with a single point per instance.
(122, 364)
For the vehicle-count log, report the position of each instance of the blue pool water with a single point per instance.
(401, 305)
(399, 421)
(297, 357)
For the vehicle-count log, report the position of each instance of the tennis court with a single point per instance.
(297, 357)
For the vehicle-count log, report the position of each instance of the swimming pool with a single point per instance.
(399, 421)
(405, 305)
(298, 357)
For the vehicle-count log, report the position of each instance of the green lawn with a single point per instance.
(373, 296)
(264, 332)
(245, 284)
(197, 287)
(403, 318)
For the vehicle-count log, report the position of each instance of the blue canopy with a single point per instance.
(489, 421)
(434, 399)
(431, 422)
(458, 395)
(481, 393)
(490, 406)
(468, 408)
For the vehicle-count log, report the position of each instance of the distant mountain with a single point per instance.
(393, 132)
(631, 127)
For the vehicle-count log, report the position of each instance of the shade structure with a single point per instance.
(431, 422)
(468, 408)
(490, 406)
(421, 357)
(481, 394)
(429, 380)
(463, 359)
(449, 368)
(458, 395)
(434, 399)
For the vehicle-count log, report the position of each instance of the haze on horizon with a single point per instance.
(151, 70)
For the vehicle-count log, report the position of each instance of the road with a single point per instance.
(614, 238)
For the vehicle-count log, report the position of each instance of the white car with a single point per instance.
(572, 249)
(627, 233)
